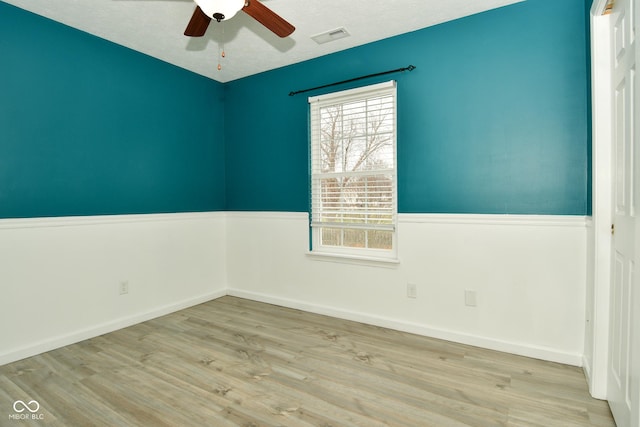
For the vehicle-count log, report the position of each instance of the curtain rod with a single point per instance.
(399, 70)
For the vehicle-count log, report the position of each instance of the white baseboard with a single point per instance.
(83, 334)
(535, 352)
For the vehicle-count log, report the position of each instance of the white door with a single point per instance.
(622, 390)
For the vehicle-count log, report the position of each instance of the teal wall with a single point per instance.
(88, 127)
(493, 120)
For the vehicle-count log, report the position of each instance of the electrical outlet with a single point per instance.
(412, 290)
(123, 288)
(470, 299)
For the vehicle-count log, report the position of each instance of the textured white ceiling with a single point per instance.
(156, 27)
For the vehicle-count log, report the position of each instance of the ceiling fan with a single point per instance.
(226, 9)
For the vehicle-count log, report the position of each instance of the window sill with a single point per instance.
(354, 259)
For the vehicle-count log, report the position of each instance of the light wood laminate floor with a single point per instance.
(234, 362)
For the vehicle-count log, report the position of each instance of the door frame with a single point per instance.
(597, 356)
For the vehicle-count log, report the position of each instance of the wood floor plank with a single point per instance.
(235, 362)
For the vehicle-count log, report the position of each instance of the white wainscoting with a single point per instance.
(529, 274)
(60, 277)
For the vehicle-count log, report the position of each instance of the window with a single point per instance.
(353, 172)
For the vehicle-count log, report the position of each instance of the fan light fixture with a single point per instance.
(227, 9)
(220, 9)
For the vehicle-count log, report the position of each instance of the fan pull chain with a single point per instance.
(221, 53)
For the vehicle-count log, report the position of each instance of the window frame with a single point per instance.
(316, 103)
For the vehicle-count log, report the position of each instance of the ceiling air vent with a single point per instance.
(331, 35)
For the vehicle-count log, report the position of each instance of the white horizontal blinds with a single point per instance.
(353, 161)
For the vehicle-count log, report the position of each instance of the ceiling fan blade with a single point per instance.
(198, 24)
(268, 18)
